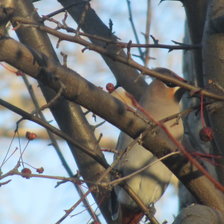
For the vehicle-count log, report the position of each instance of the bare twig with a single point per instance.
(70, 210)
(55, 98)
(178, 46)
(65, 18)
(131, 193)
(75, 180)
(7, 158)
(129, 49)
(131, 63)
(217, 85)
(51, 136)
(181, 148)
(147, 211)
(121, 179)
(88, 104)
(155, 41)
(56, 146)
(100, 137)
(147, 31)
(65, 56)
(98, 125)
(8, 150)
(134, 29)
(4, 183)
(56, 131)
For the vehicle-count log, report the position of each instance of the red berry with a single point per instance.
(40, 170)
(19, 73)
(110, 87)
(206, 134)
(26, 172)
(30, 135)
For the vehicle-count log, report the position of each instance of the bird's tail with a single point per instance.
(122, 214)
(130, 216)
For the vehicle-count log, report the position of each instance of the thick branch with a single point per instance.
(196, 14)
(193, 72)
(86, 94)
(127, 61)
(91, 24)
(28, 116)
(68, 115)
(213, 65)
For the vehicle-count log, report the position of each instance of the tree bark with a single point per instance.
(68, 115)
(90, 23)
(91, 97)
(213, 56)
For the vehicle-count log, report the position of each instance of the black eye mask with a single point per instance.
(170, 84)
(171, 74)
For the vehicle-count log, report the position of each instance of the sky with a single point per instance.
(37, 200)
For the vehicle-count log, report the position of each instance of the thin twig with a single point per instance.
(56, 131)
(51, 136)
(53, 101)
(70, 210)
(4, 183)
(8, 150)
(178, 46)
(56, 146)
(141, 204)
(125, 186)
(147, 31)
(105, 173)
(131, 63)
(121, 179)
(65, 57)
(134, 29)
(181, 148)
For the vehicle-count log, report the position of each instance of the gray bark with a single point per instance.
(199, 214)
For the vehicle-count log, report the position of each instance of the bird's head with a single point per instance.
(165, 89)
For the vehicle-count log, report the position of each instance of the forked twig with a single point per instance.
(121, 179)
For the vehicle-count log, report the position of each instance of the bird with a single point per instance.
(161, 99)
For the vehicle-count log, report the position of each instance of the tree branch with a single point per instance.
(130, 62)
(213, 67)
(92, 24)
(68, 115)
(86, 94)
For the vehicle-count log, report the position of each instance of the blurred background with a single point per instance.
(36, 200)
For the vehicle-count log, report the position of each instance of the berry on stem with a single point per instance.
(110, 87)
(206, 134)
(30, 135)
(40, 170)
(26, 172)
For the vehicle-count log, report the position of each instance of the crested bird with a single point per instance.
(161, 99)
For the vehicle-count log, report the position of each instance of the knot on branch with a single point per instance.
(5, 14)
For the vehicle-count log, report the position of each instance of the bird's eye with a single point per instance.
(170, 84)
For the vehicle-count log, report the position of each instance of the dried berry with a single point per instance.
(30, 135)
(110, 87)
(26, 172)
(40, 170)
(206, 134)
